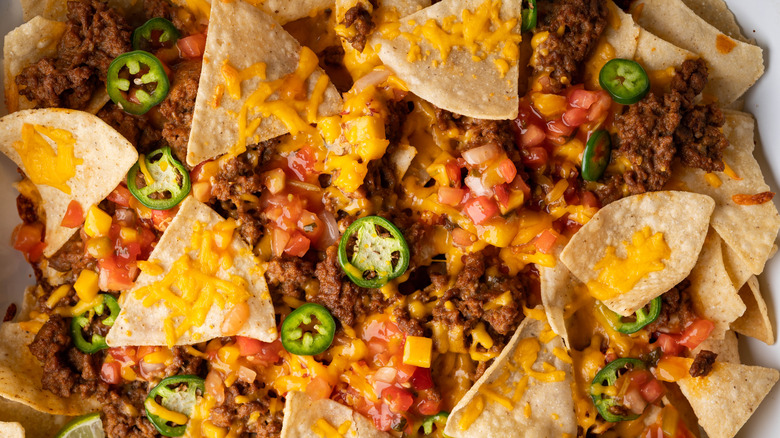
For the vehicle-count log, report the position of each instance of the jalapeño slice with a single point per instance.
(137, 81)
(169, 405)
(528, 15)
(166, 181)
(438, 420)
(607, 377)
(155, 33)
(80, 322)
(642, 318)
(596, 156)
(308, 330)
(625, 80)
(378, 250)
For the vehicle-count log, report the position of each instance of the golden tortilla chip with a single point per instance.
(727, 348)
(58, 9)
(733, 65)
(509, 397)
(140, 324)
(726, 398)
(717, 13)
(35, 423)
(735, 266)
(306, 417)
(95, 175)
(20, 377)
(755, 322)
(285, 11)
(682, 219)
(712, 293)
(621, 33)
(233, 107)
(657, 54)
(482, 84)
(750, 230)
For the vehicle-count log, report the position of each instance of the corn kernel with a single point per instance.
(86, 285)
(417, 351)
(97, 222)
(128, 234)
(228, 354)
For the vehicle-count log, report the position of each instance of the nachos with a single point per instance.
(354, 218)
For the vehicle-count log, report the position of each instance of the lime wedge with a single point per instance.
(86, 426)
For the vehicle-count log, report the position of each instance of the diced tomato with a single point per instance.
(453, 172)
(421, 379)
(192, 46)
(404, 372)
(600, 107)
(28, 238)
(279, 239)
(507, 169)
(480, 209)
(121, 196)
(124, 354)
(580, 98)
(462, 237)
(696, 333)
(535, 157)
(74, 215)
(532, 136)
(669, 344)
(398, 400)
(557, 129)
(301, 163)
(427, 406)
(519, 184)
(588, 199)
(162, 218)
(502, 194)
(297, 245)
(144, 350)
(115, 274)
(652, 390)
(575, 117)
(110, 373)
(451, 195)
(265, 351)
(311, 225)
(319, 388)
(127, 251)
(545, 241)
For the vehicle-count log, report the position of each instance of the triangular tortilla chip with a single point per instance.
(717, 13)
(658, 54)
(11, 430)
(35, 423)
(106, 157)
(755, 322)
(139, 324)
(218, 117)
(728, 396)
(538, 409)
(285, 11)
(712, 294)
(750, 230)
(559, 288)
(20, 377)
(727, 348)
(733, 65)
(683, 218)
(621, 33)
(459, 83)
(58, 9)
(735, 266)
(304, 417)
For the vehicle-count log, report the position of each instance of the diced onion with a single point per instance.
(376, 77)
(385, 374)
(246, 374)
(215, 387)
(481, 154)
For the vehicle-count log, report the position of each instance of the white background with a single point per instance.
(759, 19)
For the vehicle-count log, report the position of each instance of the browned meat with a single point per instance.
(699, 139)
(72, 257)
(288, 275)
(561, 57)
(397, 110)
(237, 414)
(178, 107)
(66, 370)
(345, 300)
(611, 191)
(10, 312)
(406, 323)
(185, 363)
(27, 211)
(702, 363)
(181, 18)
(676, 310)
(138, 130)
(95, 35)
(478, 132)
(361, 19)
(123, 415)
(332, 61)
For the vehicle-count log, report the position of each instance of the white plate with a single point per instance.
(758, 19)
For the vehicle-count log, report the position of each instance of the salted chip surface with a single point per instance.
(182, 260)
(520, 392)
(285, 11)
(639, 247)
(239, 99)
(725, 399)
(755, 322)
(749, 230)
(734, 65)
(727, 348)
(69, 156)
(449, 56)
(558, 288)
(304, 416)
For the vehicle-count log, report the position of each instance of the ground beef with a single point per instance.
(230, 412)
(407, 324)
(676, 310)
(332, 61)
(397, 110)
(178, 107)
(702, 364)
(182, 19)
(185, 363)
(700, 141)
(561, 55)
(343, 298)
(611, 190)
(72, 257)
(66, 370)
(94, 36)
(10, 312)
(363, 24)
(123, 414)
(478, 131)
(288, 275)
(138, 130)
(27, 210)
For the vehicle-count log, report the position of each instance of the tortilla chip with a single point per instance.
(36, 424)
(727, 348)
(540, 410)
(459, 83)
(658, 54)
(11, 430)
(20, 377)
(712, 294)
(301, 415)
(673, 396)
(558, 288)
(58, 9)
(95, 178)
(717, 13)
(138, 324)
(755, 322)
(728, 396)
(285, 11)
(215, 127)
(750, 230)
(662, 212)
(735, 266)
(733, 65)
(623, 37)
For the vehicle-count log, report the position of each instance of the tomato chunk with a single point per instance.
(74, 215)
(398, 400)
(481, 209)
(696, 333)
(192, 46)
(110, 373)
